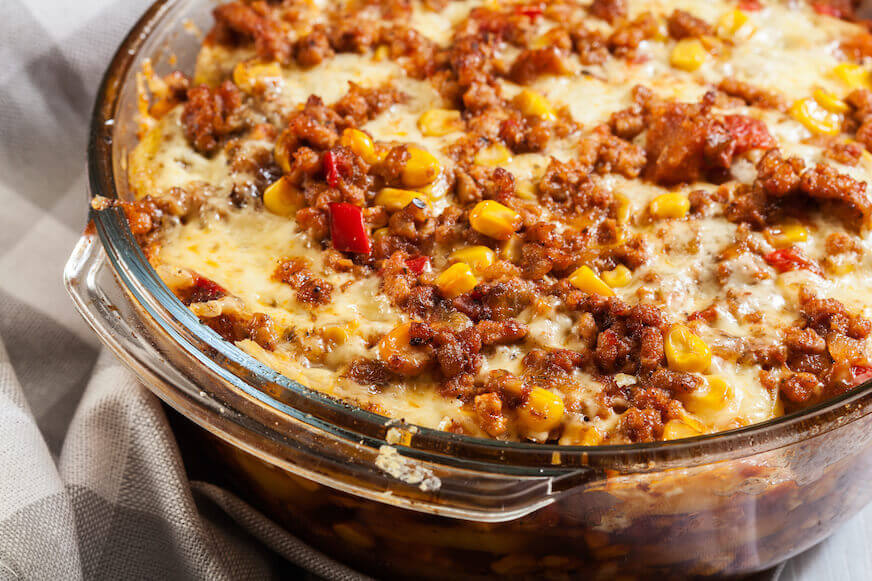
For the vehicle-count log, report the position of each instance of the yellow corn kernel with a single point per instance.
(382, 52)
(839, 266)
(456, 280)
(673, 205)
(335, 334)
(678, 429)
(688, 55)
(526, 190)
(421, 170)
(735, 24)
(685, 351)
(712, 398)
(815, 118)
(281, 198)
(396, 349)
(541, 412)
(622, 208)
(494, 219)
(534, 104)
(394, 199)
(439, 122)
(477, 257)
(511, 249)
(493, 155)
(830, 102)
(248, 75)
(580, 435)
(586, 280)
(620, 276)
(786, 235)
(282, 153)
(853, 75)
(360, 143)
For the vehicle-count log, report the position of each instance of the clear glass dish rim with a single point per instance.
(115, 235)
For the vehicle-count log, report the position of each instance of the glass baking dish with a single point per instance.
(398, 500)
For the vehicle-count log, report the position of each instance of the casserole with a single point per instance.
(411, 501)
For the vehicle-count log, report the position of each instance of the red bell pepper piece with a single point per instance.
(860, 374)
(347, 228)
(203, 290)
(750, 5)
(531, 11)
(331, 169)
(418, 264)
(828, 10)
(788, 259)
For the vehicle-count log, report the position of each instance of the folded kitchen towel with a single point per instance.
(91, 482)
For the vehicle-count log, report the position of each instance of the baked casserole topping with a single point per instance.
(577, 222)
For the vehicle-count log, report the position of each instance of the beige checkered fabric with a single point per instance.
(91, 482)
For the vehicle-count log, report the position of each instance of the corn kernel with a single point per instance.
(394, 199)
(335, 334)
(511, 249)
(711, 399)
(678, 429)
(786, 235)
(673, 205)
(735, 24)
(541, 412)
(439, 122)
(249, 75)
(381, 53)
(815, 118)
(839, 266)
(494, 219)
(685, 351)
(830, 102)
(282, 198)
(456, 280)
(526, 190)
(620, 276)
(477, 257)
(360, 143)
(580, 435)
(853, 75)
(395, 348)
(533, 104)
(493, 155)
(421, 170)
(622, 208)
(282, 152)
(688, 55)
(586, 280)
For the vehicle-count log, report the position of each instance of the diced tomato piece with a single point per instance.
(750, 5)
(788, 259)
(348, 229)
(418, 264)
(748, 133)
(331, 169)
(531, 11)
(860, 374)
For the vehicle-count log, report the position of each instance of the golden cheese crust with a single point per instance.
(577, 222)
